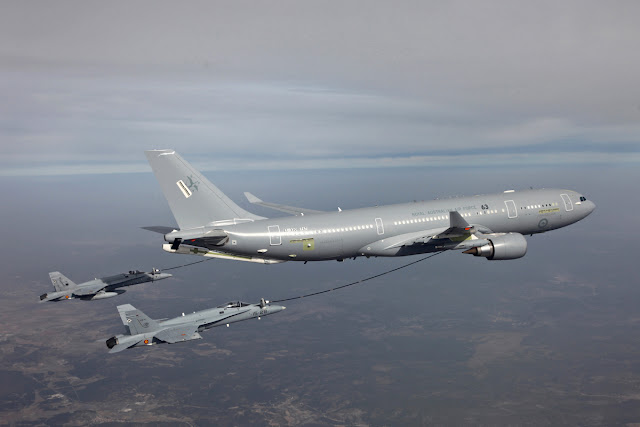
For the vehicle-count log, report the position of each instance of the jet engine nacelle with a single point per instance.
(506, 246)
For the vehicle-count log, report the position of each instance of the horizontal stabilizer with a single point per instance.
(282, 208)
(210, 233)
(210, 253)
(161, 229)
(120, 347)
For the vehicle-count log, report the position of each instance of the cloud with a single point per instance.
(316, 83)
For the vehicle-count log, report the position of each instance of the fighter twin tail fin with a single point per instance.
(60, 281)
(136, 320)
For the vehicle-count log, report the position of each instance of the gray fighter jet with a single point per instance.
(143, 330)
(106, 287)
(492, 226)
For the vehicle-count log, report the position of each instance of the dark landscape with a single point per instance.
(549, 339)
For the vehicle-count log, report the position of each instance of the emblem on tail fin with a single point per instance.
(193, 185)
(188, 189)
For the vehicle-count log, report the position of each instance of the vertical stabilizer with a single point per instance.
(60, 282)
(193, 199)
(136, 320)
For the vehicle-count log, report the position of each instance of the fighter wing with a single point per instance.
(283, 208)
(91, 288)
(179, 333)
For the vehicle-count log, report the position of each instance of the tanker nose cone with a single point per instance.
(590, 206)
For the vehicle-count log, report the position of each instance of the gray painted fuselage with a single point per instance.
(363, 232)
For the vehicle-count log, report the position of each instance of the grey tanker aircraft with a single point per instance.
(491, 226)
(106, 287)
(143, 330)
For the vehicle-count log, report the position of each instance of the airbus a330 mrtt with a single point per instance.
(491, 226)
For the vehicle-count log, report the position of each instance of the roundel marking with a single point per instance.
(146, 341)
(543, 223)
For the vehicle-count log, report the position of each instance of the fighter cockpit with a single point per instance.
(234, 304)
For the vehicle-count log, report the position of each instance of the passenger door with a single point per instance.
(568, 206)
(511, 208)
(275, 238)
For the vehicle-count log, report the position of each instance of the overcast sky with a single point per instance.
(87, 86)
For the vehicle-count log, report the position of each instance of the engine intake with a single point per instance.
(506, 246)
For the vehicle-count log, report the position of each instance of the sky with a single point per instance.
(296, 85)
(320, 105)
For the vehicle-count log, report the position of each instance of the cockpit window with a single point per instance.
(234, 304)
(583, 199)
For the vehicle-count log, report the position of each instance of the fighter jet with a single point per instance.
(143, 330)
(106, 287)
(492, 226)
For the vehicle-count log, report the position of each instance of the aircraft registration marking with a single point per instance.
(294, 229)
(545, 211)
(457, 209)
